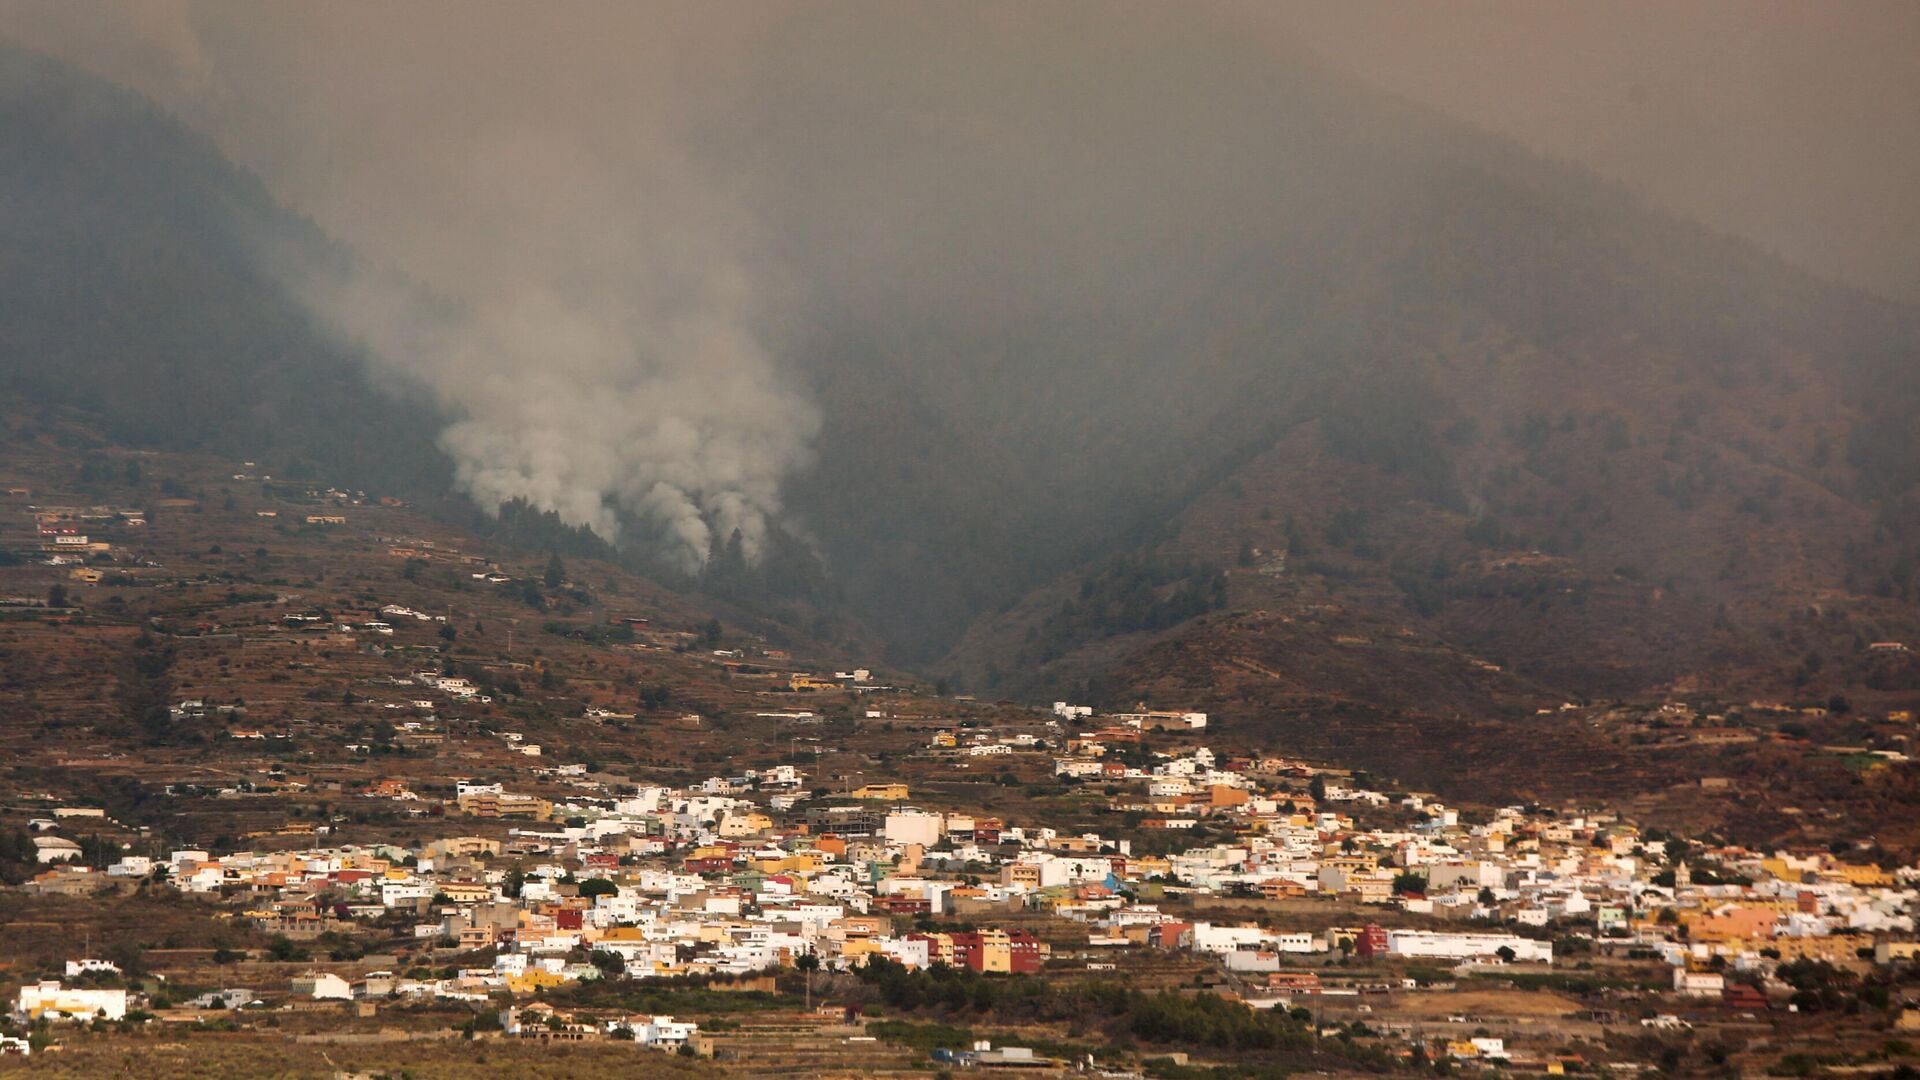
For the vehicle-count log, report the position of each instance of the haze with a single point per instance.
(637, 252)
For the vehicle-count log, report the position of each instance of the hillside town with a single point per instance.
(295, 774)
(743, 876)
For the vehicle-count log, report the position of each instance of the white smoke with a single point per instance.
(600, 360)
(592, 326)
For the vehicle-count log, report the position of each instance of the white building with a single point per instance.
(56, 1002)
(1443, 877)
(92, 967)
(1698, 983)
(323, 986)
(1226, 939)
(914, 827)
(1466, 946)
(131, 866)
(53, 849)
(662, 1032)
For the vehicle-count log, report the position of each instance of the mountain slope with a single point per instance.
(1088, 336)
(1554, 460)
(132, 288)
(1064, 302)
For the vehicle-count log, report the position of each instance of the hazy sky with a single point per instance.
(1792, 123)
(616, 197)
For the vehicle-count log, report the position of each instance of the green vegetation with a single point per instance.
(1129, 594)
(674, 996)
(142, 688)
(1160, 1017)
(592, 633)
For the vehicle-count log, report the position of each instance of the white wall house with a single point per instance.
(56, 1002)
(1466, 946)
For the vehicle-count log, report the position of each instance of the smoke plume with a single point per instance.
(629, 218)
(533, 245)
(600, 356)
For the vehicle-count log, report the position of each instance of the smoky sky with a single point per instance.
(1789, 124)
(588, 186)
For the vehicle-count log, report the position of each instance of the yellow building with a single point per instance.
(534, 979)
(996, 952)
(465, 846)
(1863, 877)
(1022, 875)
(503, 804)
(880, 791)
(1145, 866)
(735, 826)
(1889, 951)
(799, 863)
(465, 892)
(1831, 949)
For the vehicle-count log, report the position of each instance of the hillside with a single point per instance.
(129, 259)
(1318, 354)
(1330, 302)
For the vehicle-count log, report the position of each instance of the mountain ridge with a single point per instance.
(1455, 384)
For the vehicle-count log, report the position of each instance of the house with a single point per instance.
(1698, 983)
(92, 967)
(661, 1032)
(1294, 982)
(545, 1023)
(224, 999)
(322, 986)
(1888, 950)
(1445, 946)
(879, 792)
(51, 1001)
(484, 803)
(1157, 720)
(53, 849)
(914, 827)
(988, 951)
(65, 880)
(752, 823)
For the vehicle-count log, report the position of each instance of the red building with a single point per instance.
(1014, 952)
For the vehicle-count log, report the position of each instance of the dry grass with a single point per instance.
(277, 1058)
(1484, 1003)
